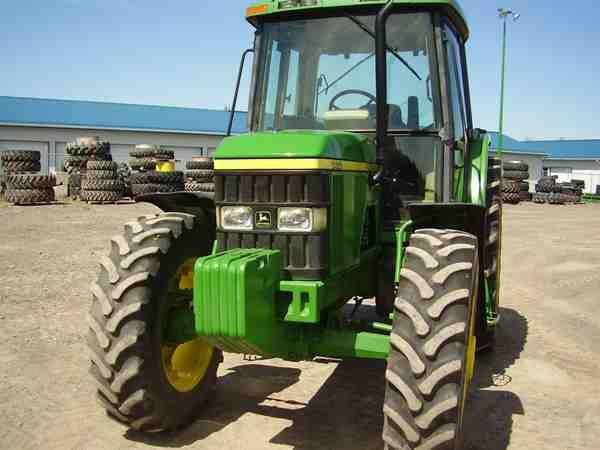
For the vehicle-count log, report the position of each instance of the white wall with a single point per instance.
(579, 169)
(51, 141)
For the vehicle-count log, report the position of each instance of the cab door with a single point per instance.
(457, 108)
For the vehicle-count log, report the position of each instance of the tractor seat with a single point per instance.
(360, 119)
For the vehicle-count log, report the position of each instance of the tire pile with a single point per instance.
(145, 179)
(549, 191)
(514, 187)
(101, 182)
(78, 154)
(200, 175)
(24, 184)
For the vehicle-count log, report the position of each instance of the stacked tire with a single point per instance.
(514, 187)
(142, 158)
(152, 181)
(101, 182)
(570, 192)
(24, 184)
(578, 187)
(549, 191)
(124, 174)
(79, 153)
(145, 179)
(200, 175)
(545, 185)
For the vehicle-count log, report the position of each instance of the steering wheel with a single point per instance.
(334, 107)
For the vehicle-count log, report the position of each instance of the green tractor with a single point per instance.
(362, 177)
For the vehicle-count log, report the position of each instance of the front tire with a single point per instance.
(127, 339)
(432, 344)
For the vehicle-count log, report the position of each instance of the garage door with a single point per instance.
(590, 177)
(563, 174)
(42, 147)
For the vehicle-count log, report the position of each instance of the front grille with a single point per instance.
(304, 255)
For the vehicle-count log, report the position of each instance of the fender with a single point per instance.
(174, 201)
(196, 203)
(464, 217)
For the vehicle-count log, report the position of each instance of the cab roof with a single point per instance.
(272, 7)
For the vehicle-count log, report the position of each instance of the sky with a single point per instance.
(187, 52)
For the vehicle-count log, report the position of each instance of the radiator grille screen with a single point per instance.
(304, 255)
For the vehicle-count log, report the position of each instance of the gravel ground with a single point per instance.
(537, 390)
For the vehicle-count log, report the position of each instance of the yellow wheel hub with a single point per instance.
(185, 364)
(165, 166)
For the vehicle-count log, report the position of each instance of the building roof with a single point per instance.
(552, 149)
(510, 144)
(122, 116)
(569, 148)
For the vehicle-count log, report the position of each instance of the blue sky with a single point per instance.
(186, 53)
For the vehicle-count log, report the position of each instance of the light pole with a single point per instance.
(503, 14)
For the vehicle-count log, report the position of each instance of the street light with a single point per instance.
(503, 14)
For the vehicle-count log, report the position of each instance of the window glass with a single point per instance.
(313, 68)
(455, 84)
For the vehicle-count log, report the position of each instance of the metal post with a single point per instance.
(503, 14)
(501, 124)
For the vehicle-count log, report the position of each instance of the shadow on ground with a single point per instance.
(346, 412)
(489, 415)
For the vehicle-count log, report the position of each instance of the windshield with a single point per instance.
(320, 74)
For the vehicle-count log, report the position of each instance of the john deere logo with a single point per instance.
(263, 219)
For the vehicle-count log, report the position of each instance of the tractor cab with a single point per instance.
(319, 70)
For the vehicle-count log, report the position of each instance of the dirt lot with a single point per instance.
(538, 390)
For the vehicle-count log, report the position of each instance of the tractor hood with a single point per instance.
(294, 144)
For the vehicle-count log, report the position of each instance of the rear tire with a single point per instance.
(509, 186)
(518, 175)
(30, 181)
(101, 165)
(142, 164)
(21, 166)
(516, 165)
(200, 163)
(432, 345)
(150, 188)
(126, 342)
(157, 177)
(200, 174)
(100, 196)
(511, 198)
(29, 196)
(486, 334)
(20, 155)
(101, 174)
(93, 184)
(192, 186)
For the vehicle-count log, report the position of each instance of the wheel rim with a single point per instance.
(184, 364)
(469, 361)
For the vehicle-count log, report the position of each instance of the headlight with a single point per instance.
(236, 218)
(301, 219)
